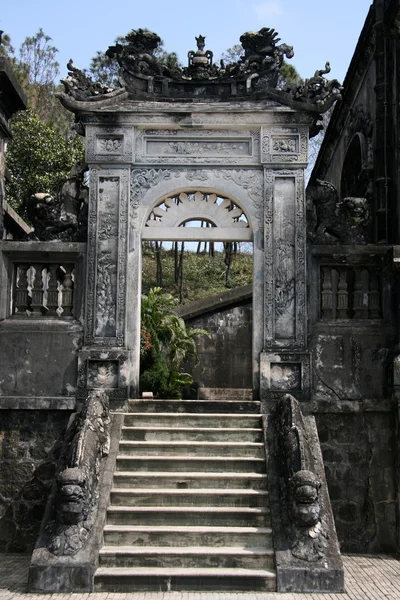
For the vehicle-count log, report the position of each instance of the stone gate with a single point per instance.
(201, 142)
(224, 144)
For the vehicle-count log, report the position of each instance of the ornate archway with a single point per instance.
(227, 219)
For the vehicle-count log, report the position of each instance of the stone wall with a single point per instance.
(358, 452)
(30, 442)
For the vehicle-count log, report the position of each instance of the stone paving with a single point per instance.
(367, 578)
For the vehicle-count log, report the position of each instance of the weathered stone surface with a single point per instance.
(360, 474)
(29, 447)
(36, 362)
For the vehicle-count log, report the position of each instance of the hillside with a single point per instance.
(203, 275)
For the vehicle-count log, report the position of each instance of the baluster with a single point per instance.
(374, 296)
(67, 290)
(343, 295)
(22, 300)
(361, 295)
(327, 294)
(52, 290)
(37, 289)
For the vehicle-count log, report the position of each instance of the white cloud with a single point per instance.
(266, 10)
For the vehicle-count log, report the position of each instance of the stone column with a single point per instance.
(105, 360)
(284, 363)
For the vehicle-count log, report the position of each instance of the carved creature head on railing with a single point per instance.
(72, 497)
(305, 507)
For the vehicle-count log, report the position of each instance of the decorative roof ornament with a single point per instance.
(144, 75)
(200, 63)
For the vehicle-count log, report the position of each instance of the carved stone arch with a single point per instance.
(228, 219)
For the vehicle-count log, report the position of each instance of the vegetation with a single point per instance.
(39, 159)
(200, 274)
(166, 342)
(43, 149)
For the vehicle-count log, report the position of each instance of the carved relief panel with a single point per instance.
(285, 301)
(201, 146)
(109, 144)
(106, 369)
(284, 145)
(107, 256)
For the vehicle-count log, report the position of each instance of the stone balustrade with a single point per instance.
(348, 292)
(43, 289)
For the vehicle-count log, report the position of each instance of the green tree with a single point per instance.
(39, 158)
(38, 69)
(166, 342)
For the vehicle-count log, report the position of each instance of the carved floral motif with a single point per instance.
(111, 145)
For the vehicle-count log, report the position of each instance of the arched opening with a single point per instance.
(198, 246)
(353, 183)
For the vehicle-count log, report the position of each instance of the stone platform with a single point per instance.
(367, 577)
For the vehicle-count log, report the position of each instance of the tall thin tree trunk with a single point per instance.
(228, 246)
(176, 263)
(181, 273)
(159, 277)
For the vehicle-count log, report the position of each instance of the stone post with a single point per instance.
(284, 362)
(105, 359)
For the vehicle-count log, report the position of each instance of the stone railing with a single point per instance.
(77, 493)
(349, 283)
(303, 526)
(350, 293)
(41, 279)
(43, 289)
(66, 553)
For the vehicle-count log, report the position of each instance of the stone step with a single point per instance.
(183, 536)
(225, 393)
(187, 515)
(216, 464)
(198, 434)
(124, 579)
(167, 419)
(188, 557)
(189, 480)
(195, 406)
(189, 448)
(199, 497)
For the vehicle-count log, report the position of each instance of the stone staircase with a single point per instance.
(189, 504)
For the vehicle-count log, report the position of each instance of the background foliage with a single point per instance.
(166, 343)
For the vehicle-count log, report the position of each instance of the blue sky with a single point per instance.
(319, 30)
